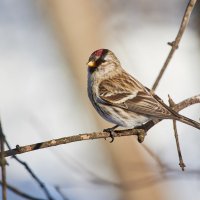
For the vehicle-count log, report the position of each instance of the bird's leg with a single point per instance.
(111, 131)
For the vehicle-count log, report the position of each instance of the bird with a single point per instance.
(120, 98)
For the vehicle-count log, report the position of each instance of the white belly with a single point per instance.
(122, 117)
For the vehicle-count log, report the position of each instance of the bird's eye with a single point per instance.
(103, 61)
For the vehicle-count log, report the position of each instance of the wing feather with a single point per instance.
(132, 96)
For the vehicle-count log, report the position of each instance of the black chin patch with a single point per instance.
(91, 69)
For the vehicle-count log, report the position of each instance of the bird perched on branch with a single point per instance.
(121, 99)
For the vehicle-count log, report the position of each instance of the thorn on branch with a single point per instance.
(173, 45)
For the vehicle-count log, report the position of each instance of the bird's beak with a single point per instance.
(91, 63)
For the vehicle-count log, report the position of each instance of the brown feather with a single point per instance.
(144, 102)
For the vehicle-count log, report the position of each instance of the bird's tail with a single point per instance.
(179, 117)
(188, 121)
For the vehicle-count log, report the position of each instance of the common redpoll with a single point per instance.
(121, 99)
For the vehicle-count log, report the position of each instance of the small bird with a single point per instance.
(121, 99)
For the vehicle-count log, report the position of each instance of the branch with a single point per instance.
(178, 107)
(20, 193)
(174, 44)
(30, 171)
(187, 102)
(74, 138)
(61, 194)
(3, 164)
(181, 163)
(139, 131)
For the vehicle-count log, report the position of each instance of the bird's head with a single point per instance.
(102, 60)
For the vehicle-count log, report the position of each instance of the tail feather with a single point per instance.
(177, 116)
(188, 121)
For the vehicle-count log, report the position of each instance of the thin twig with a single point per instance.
(3, 164)
(30, 171)
(139, 131)
(20, 193)
(187, 102)
(181, 163)
(175, 43)
(60, 192)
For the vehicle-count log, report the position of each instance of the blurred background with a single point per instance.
(44, 47)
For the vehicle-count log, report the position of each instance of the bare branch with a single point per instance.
(178, 107)
(65, 140)
(3, 164)
(60, 192)
(20, 193)
(181, 163)
(30, 171)
(174, 44)
(139, 131)
(187, 102)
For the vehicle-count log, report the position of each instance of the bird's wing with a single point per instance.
(139, 100)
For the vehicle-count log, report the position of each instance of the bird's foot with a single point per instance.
(112, 132)
(141, 137)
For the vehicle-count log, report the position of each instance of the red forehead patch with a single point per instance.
(98, 52)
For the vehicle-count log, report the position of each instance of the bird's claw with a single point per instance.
(112, 133)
